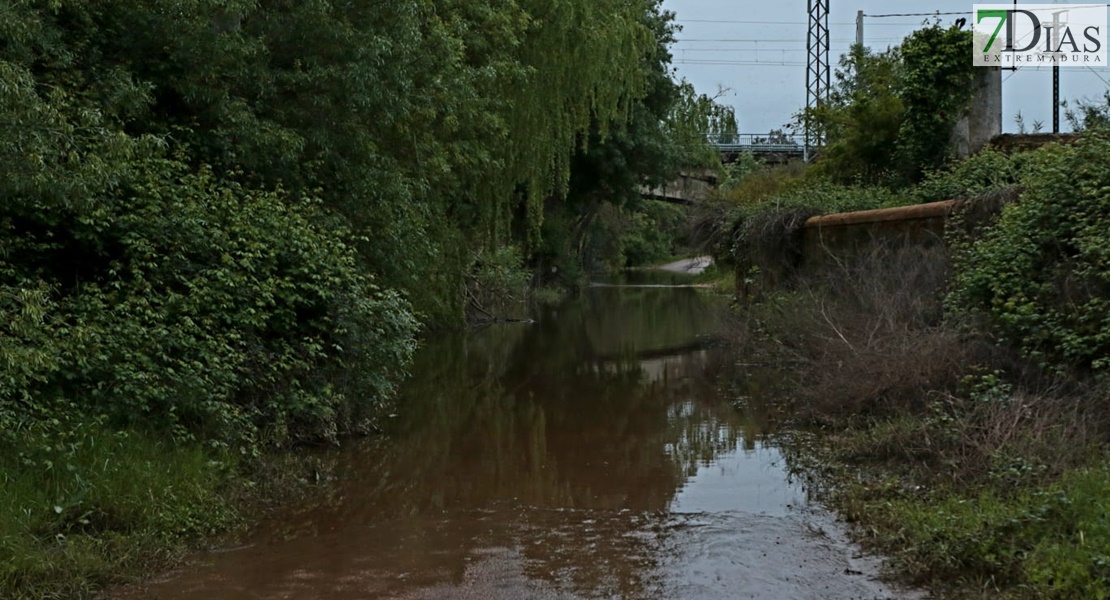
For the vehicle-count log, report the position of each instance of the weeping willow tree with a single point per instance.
(693, 119)
(545, 72)
(546, 78)
(582, 57)
(380, 142)
(426, 129)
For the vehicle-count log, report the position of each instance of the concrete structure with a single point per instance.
(839, 239)
(984, 119)
(841, 234)
(771, 148)
(689, 188)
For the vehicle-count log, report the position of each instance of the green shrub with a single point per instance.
(178, 301)
(1040, 277)
(757, 228)
(986, 172)
(497, 285)
(1052, 540)
(653, 233)
(890, 115)
(936, 87)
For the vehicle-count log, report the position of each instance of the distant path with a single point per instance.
(693, 266)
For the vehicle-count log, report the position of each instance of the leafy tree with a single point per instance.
(862, 117)
(185, 184)
(890, 118)
(665, 134)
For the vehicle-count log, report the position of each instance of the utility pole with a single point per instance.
(859, 27)
(1056, 71)
(818, 80)
(1055, 98)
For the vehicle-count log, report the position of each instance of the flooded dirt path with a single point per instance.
(586, 455)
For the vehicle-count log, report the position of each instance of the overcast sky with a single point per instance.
(757, 51)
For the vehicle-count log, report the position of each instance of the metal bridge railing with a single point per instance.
(756, 142)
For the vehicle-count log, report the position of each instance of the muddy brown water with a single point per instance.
(585, 455)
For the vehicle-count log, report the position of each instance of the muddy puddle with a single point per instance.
(585, 455)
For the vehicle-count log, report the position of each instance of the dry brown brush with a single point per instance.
(872, 361)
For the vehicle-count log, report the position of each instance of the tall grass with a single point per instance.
(82, 511)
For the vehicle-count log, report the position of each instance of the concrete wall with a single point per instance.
(838, 236)
(984, 119)
(838, 239)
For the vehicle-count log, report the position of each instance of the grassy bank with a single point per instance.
(957, 395)
(721, 280)
(979, 473)
(100, 507)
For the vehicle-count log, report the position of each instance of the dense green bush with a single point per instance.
(1039, 277)
(654, 233)
(754, 224)
(861, 118)
(987, 172)
(642, 233)
(936, 88)
(180, 301)
(497, 285)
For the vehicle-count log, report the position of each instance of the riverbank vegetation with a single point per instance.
(225, 223)
(956, 395)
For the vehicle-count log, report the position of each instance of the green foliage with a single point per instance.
(604, 224)
(738, 171)
(81, 503)
(763, 235)
(1039, 276)
(219, 290)
(222, 221)
(200, 305)
(936, 88)
(694, 118)
(890, 118)
(646, 233)
(497, 285)
(418, 121)
(986, 172)
(764, 207)
(814, 194)
(654, 234)
(1086, 115)
(862, 117)
(1053, 539)
(827, 197)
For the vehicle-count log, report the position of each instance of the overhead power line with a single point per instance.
(776, 40)
(933, 14)
(756, 49)
(740, 22)
(740, 63)
(725, 22)
(1097, 74)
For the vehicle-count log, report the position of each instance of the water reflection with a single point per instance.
(553, 459)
